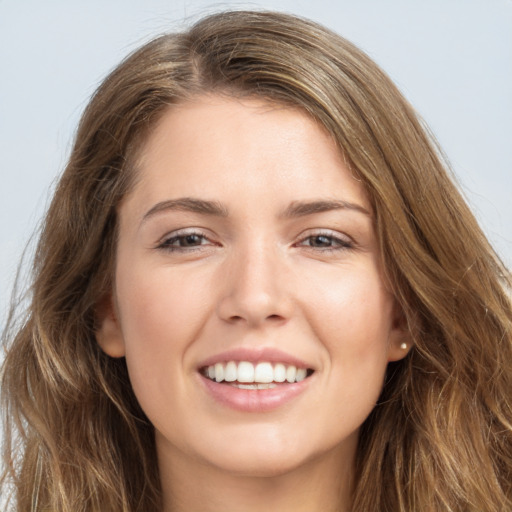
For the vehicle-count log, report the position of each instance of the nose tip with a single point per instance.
(253, 315)
(255, 292)
(244, 305)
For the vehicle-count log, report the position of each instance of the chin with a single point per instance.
(267, 453)
(262, 465)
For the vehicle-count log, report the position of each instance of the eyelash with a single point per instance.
(166, 243)
(337, 243)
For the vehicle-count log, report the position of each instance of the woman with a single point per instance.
(257, 286)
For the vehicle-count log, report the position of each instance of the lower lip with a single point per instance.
(254, 400)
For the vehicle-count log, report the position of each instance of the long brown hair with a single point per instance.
(440, 438)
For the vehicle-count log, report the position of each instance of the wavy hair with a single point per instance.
(440, 438)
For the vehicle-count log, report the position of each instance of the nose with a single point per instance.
(254, 291)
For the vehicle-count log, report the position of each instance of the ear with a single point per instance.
(400, 338)
(108, 330)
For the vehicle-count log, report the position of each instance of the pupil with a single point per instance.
(322, 241)
(191, 240)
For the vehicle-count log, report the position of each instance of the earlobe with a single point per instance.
(108, 330)
(400, 340)
(398, 350)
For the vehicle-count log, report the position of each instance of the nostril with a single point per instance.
(239, 318)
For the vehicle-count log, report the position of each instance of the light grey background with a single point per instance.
(451, 58)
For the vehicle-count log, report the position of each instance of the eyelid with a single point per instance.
(345, 241)
(340, 241)
(163, 243)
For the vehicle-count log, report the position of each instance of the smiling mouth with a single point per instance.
(262, 375)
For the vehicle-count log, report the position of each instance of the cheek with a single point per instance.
(158, 306)
(160, 314)
(353, 321)
(355, 309)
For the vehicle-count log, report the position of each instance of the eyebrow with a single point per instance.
(303, 208)
(188, 204)
(217, 209)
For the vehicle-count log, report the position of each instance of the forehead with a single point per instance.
(216, 145)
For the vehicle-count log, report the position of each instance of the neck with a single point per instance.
(323, 484)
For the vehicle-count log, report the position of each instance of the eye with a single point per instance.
(184, 242)
(326, 242)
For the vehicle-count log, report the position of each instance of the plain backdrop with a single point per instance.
(451, 58)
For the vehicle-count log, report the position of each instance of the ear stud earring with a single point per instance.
(403, 346)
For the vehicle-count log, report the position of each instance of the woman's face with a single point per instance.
(249, 299)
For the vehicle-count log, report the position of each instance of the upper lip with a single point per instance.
(255, 355)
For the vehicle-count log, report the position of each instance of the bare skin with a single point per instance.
(307, 489)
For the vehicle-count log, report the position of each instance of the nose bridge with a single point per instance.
(255, 289)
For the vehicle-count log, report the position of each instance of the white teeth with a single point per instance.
(264, 373)
(255, 386)
(231, 371)
(245, 372)
(279, 372)
(246, 375)
(301, 374)
(291, 373)
(219, 372)
(266, 386)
